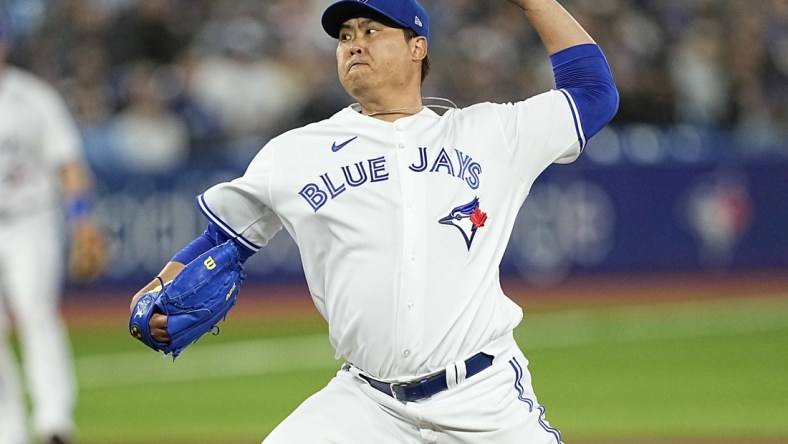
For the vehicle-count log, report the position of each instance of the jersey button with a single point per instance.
(406, 353)
(401, 145)
(410, 305)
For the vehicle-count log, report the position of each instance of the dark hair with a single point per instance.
(425, 63)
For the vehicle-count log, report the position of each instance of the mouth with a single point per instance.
(353, 65)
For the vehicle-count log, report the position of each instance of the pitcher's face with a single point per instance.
(372, 55)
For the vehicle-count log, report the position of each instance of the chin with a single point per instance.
(354, 86)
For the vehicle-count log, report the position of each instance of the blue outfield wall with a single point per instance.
(634, 202)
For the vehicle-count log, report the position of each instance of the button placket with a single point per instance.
(409, 320)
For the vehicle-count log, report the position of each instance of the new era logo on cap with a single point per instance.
(405, 13)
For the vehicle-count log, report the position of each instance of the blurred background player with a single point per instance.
(41, 171)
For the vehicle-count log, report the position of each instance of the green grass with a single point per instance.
(709, 369)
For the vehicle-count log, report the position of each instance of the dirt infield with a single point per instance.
(258, 301)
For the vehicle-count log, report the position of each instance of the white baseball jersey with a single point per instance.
(402, 226)
(37, 137)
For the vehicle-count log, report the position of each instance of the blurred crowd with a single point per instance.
(157, 83)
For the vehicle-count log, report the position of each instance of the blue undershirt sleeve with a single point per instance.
(211, 237)
(583, 72)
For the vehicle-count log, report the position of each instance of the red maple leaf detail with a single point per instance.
(478, 218)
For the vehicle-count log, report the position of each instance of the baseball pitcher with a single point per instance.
(402, 215)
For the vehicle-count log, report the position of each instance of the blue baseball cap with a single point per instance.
(406, 13)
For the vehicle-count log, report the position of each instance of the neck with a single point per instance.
(392, 114)
(393, 106)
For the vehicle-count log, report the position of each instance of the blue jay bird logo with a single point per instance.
(467, 218)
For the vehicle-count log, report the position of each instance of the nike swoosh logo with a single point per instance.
(335, 147)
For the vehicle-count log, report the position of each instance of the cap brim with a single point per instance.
(338, 13)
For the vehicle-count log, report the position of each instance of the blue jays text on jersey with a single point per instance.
(461, 166)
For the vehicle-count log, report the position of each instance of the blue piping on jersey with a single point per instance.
(232, 234)
(518, 385)
(581, 137)
(582, 73)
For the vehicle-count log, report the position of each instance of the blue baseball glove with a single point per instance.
(195, 301)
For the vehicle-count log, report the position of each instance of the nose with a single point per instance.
(355, 49)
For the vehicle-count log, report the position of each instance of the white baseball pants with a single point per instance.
(495, 406)
(31, 269)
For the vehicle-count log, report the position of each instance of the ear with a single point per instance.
(418, 47)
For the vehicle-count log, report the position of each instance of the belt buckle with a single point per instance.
(399, 384)
(405, 385)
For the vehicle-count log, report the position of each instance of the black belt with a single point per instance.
(424, 388)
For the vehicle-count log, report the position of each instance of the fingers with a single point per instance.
(158, 328)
